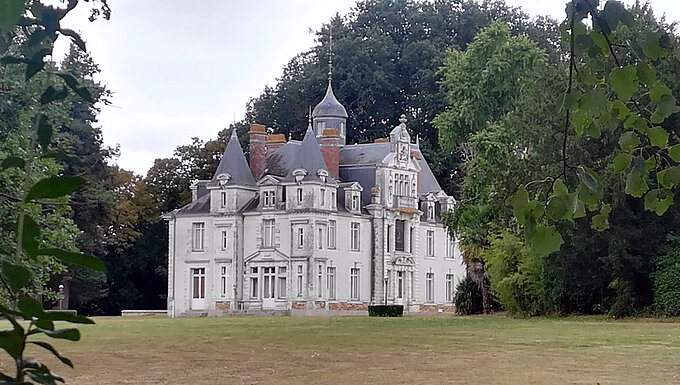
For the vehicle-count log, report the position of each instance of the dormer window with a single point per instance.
(299, 196)
(269, 198)
(222, 179)
(224, 199)
(323, 197)
(355, 202)
(430, 211)
(333, 200)
(323, 175)
(299, 174)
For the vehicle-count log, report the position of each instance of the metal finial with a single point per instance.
(402, 119)
(330, 52)
(309, 116)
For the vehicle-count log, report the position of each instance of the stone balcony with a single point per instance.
(401, 201)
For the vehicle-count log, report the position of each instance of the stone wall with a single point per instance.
(437, 309)
(347, 306)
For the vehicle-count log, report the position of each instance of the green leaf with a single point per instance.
(54, 187)
(665, 108)
(518, 202)
(54, 351)
(10, 13)
(658, 91)
(29, 307)
(674, 152)
(629, 141)
(44, 134)
(52, 94)
(587, 179)
(546, 240)
(578, 209)
(70, 334)
(17, 276)
(84, 260)
(658, 136)
(621, 109)
(581, 121)
(658, 201)
(12, 162)
(67, 316)
(622, 161)
(624, 82)
(12, 341)
(69, 79)
(593, 102)
(43, 323)
(594, 130)
(30, 235)
(646, 73)
(600, 222)
(636, 185)
(669, 177)
(652, 47)
(651, 163)
(600, 42)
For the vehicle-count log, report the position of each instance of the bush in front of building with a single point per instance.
(385, 310)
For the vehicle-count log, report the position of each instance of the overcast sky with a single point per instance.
(179, 70)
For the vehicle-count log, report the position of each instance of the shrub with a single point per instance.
(466, 298)
(666, 279)
(386, 310)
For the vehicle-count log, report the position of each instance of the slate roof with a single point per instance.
(329, 106)
(234, 163)
(308, 157)
(199, 206)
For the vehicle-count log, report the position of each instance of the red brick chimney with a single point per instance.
(257, 135)
(330, 149)
(274, 141)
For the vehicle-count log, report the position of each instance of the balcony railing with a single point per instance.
(405, 201)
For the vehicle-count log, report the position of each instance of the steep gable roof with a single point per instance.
(308, 157)
(234, 163)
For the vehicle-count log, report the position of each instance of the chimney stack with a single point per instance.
(274, 141)
(257, 135)
(330, 149)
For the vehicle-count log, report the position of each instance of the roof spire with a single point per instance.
(330, 52)
(309, 118)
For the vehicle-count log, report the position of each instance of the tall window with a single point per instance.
(323, 197)
(198, 236)
(299, 196)
(400, 227)
(223, 281)
(283, 274)
(389, 238)
(331, 234)
(224, 240)
(320, 239)
(430, 243)
(332, 202)
(429, 287)
(300, 238)
(268, 276)
(254, 288)
(224, 199)
(449, 246)
(449, 287)
(411, 239)
(330, 282)
(354, 284)
(320, 281)
(354, 237)
(299, 281)
(269, 231)
(355, 202)
(198, 277)
(400, 284)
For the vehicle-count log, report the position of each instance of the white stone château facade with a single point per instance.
(314, 227)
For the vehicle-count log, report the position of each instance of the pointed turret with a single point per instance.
(233, 168)
(309, 158)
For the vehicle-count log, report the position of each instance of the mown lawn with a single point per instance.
(410, 350)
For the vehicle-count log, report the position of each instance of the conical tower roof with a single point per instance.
(309, 157)
(234, 164)
(329, 106)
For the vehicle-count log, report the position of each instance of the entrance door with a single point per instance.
(198, 288)
(268, 287)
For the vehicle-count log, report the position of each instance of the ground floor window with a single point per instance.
(330, 282)
(320, 281)
(429, 287)
(282, 282)
(223, 281)
(198, 278)
(254, 291)
(354, 284)
(449, 287)
(299, 280)
(400, 284)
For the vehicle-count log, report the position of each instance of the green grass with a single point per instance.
(463, 350)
